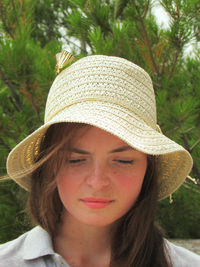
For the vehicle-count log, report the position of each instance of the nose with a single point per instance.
(98, 178)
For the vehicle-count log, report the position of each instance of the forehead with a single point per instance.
(90, 134)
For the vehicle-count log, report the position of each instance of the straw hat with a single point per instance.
(117, 96)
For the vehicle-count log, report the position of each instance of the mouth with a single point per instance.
(96, 203)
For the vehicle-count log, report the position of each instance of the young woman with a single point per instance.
(95, 171)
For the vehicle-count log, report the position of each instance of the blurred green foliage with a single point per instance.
(180, 219)
(32, 32)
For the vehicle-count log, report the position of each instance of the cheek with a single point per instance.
(66, 185)
(130, 183)
(128, 191)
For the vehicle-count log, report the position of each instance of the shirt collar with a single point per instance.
(38, 243)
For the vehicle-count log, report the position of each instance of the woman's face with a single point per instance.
(101, 178)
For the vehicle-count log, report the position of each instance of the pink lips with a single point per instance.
(96, 203)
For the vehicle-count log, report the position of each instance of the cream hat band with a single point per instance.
(117, 96)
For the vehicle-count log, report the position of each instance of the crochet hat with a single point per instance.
(117, 96)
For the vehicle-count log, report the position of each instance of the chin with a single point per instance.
(97, 222)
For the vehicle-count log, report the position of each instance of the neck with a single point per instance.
(80, 243)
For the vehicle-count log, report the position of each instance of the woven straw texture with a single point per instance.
(115, 95)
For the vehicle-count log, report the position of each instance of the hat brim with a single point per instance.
(173, 161)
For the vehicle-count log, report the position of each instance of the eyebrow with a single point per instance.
(119, 149)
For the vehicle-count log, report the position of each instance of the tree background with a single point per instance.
(32, 32)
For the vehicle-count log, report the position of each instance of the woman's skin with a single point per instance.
(97, 185)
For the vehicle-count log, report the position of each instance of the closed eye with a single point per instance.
(73, 161)
(125, 161)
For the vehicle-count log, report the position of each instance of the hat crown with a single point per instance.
(104, 79)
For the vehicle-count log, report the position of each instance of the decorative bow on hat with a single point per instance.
(63, 58)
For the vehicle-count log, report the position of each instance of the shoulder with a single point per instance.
(12, 251)
(181, 257)
(26, 247)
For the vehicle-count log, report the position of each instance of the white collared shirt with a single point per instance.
(34, 249)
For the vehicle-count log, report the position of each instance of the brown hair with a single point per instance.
(137, 240)
(46, 210)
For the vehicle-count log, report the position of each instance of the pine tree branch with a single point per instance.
(195, 144)
(162, 68)
(5, 144)
(187, 186)
(146, 9)
(35, 107)
(14, 8)
(4, 24)
(189, 129)
(196, 172)
(148, 43)
(12, 88)
(185, 142)
(194, 169)
(83, 46)
(119, 7)
(14, 104)
(197, 34)
(174, 63)
(177, 18)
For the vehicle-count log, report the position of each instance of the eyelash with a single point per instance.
(125, 161)
(74, 161)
